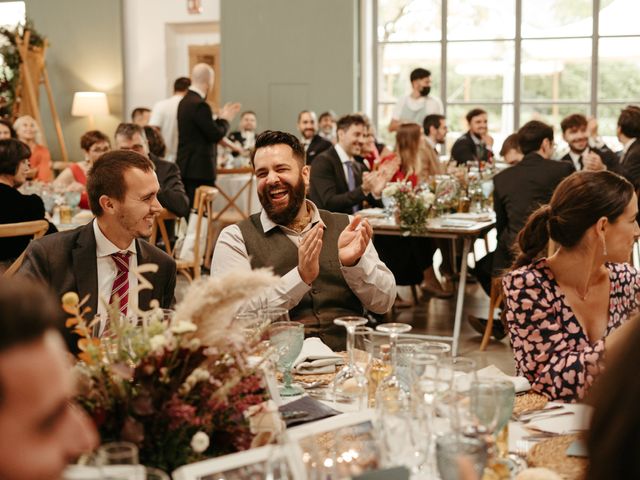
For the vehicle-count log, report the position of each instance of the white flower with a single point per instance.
(427, 198)
(390, 190)
(157, 342)
(200, 442)
(183, 326)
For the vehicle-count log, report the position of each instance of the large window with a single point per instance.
(518, 59)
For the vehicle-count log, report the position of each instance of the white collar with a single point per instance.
(268, 224)
(344, 158)
(104, 246)
(198, 91)
(574, 156)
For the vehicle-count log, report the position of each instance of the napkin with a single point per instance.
(125, 472)
(564, 424)
(314, 409)
(316, 358)
(521, 384)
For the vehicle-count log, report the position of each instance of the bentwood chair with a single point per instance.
(35, 228)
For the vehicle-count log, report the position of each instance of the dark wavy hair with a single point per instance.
(12, 152)
(578, 202)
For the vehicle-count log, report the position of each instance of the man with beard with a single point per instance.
(476, 144)
(339, 183)
(312, 142)
(98, 259)
(585, 152)
(418, 104)
(327, 263)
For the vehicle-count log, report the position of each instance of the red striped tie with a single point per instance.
(120, 288)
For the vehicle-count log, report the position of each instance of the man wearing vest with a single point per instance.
(327, 263)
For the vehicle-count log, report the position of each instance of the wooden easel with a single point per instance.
(28, 84)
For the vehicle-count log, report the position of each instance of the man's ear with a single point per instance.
(107, 204)
(306, 174)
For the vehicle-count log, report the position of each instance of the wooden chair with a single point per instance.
(232, 213)
(37, 228)
(159, 225)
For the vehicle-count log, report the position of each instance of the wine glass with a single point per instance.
(271, 315)
(351, 381)
(439, 349)
(505, 397)
(390, 393)
(119, 460)
(450, 447)
(287, 339)
(483, 406)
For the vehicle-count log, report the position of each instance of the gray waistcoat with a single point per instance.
(330, 296)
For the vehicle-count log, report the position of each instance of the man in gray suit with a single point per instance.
(98, 259)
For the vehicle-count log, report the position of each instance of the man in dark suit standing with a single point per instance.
(198, 132)
(338, 182)
(172, 195)
(313, 143)
(628, 134)
(585, 152)
(476, 144)
(98, 259)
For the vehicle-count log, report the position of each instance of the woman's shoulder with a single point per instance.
(530, 275)
(624, 272)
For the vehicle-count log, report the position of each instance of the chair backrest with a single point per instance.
(159, 224)
(204, 199)
(232, 199)
(36, 228)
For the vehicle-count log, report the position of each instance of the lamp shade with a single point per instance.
(89, 103)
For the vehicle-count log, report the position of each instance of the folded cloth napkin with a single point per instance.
(313, 409)
(83, 472)
(316, 358)
(521, 384)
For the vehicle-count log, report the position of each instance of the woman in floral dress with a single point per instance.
(567, 312)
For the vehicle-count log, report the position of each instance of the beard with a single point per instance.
(283, 215)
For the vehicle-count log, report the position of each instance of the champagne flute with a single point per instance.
(391, 393)
(351, 381)
(287, 339)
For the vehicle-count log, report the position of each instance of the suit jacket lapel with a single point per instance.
(85, 266)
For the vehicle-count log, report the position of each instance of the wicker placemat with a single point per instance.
(551, 454)
(528, 402)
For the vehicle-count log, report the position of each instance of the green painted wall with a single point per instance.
(85, 54)
(282, 56)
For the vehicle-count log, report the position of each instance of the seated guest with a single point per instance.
(327, 263)
(567, 312)
(28, 132)
(16, 207)
(435, 131)
(313, 143)
(244, 138)
(327, 126)
(510, 150)
(6, 130)
(583, 153)
(338, 182)
(140, 116)
(476, 144)
(94, 143)
(171, 195)
(628, 132)
(41, 428)
(93, 259)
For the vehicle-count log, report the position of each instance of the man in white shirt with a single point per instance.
(98, 259)
(328, 264)
(165, 115)
(414, 107)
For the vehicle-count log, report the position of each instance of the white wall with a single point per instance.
(154, 32)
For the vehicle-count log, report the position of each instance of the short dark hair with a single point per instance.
(432, 120)
(275, 137)
(181, 84)
(629, 121)
(155, 140)
(532, 134)
(510, 143)
(12, 152)
(303, 112)
(106, 176)
(328, 113)
(345, 121)
(248, 112)
(575, 120)
(139, 111)
(7, 124)
(419, 74)
(474, 113)
(92, 137)
(128, 130)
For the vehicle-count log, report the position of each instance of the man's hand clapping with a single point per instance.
(229, 111)
(309, 254)
(353, 241)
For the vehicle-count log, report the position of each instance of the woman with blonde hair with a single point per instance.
(28, 132)
(415, 165)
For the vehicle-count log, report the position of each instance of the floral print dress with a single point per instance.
(550, 347)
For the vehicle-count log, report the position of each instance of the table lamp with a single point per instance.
(89, 104)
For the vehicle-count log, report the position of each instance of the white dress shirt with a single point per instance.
(107, 270)
(164, 114)
(369, 279)
(575, 158)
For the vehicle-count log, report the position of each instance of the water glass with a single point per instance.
(287, 339)
(453, 446)
(273, 314)
(119, 461)
(439, 349)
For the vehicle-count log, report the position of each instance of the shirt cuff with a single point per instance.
(294, 285)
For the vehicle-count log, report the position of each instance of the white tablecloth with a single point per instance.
(232, 183)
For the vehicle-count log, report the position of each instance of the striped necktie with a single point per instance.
(351, 182)
(120, 289)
